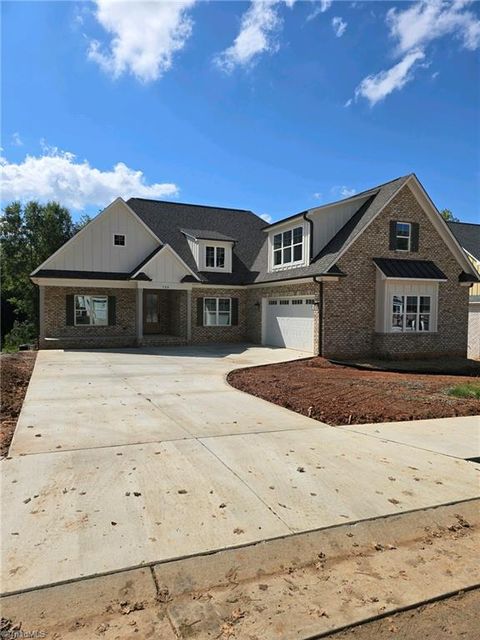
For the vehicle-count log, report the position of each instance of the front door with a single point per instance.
(151, 312)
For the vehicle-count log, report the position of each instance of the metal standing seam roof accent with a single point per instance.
(412, 269)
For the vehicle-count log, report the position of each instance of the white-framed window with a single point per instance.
(411, 313)
(403, 236)
(217, 312)
(288, 247)
(214, 257)
(309, 301)
(91, 310)
(297, 301)
(119, 239)
(284, 301)
(272, 302)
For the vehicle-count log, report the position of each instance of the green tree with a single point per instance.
(29, 234)
(448, 215)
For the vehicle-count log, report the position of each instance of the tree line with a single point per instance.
(29, 234)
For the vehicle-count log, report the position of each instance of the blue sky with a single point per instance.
(271, 106)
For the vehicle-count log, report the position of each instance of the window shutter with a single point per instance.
(199, 312)
(112, 311)
(393, 235)
(415, 236)
(70, 310)
(234, 311)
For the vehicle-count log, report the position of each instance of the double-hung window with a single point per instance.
(215, 257)
(288, 247)
(411, 313)
(217, 312)
(91, 310)
(403, 236)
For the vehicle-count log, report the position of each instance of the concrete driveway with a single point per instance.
(128, 458)
(86, 399)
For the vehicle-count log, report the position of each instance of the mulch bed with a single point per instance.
(15, 372)
(340, 395)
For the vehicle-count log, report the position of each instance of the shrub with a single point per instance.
(21, 333)
(466, 390)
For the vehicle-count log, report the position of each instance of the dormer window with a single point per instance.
(288, 247)
(118, 239)
(215, 257)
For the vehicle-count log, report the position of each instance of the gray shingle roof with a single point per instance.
(169, 221)
(205, 234)
(166, 219)
(468, 236)
(404, 268)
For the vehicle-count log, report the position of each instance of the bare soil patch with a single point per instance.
(15, 372)
(455, 617)
(339, 395)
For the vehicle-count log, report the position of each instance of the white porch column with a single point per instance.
(189, 315)
(41, 311)
(139, 315)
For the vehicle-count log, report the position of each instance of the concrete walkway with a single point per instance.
(457, 437)
(159, 459)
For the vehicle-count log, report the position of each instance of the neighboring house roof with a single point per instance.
(167, 219)
(403, 268)
(204, 234)
(468, 236)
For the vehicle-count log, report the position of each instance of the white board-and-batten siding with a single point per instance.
(92, 249)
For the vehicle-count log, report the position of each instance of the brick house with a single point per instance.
(468, 237)
(379, 273)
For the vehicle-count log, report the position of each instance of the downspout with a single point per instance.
(320, 315)
(305, 213)
(320, 288)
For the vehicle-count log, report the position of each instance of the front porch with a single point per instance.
(163, 316)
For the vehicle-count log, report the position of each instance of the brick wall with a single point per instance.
(254, 306)
(236, 333)
(349, 323)
(121, 334)
(178, 313)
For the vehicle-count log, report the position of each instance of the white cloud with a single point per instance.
(343, 191)
(144, 36)
(268, 219)
(422, 22)
(435, 74)
(317, 195)
(17, 140)
(339, 26)
(257, 35)
(377, 87)
(320, 7)
(413, 29)
(58, 175)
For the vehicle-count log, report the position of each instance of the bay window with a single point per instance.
(411, 313)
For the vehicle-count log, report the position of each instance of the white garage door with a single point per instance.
(289, 323)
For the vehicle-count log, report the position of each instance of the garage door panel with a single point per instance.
(289, 323)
